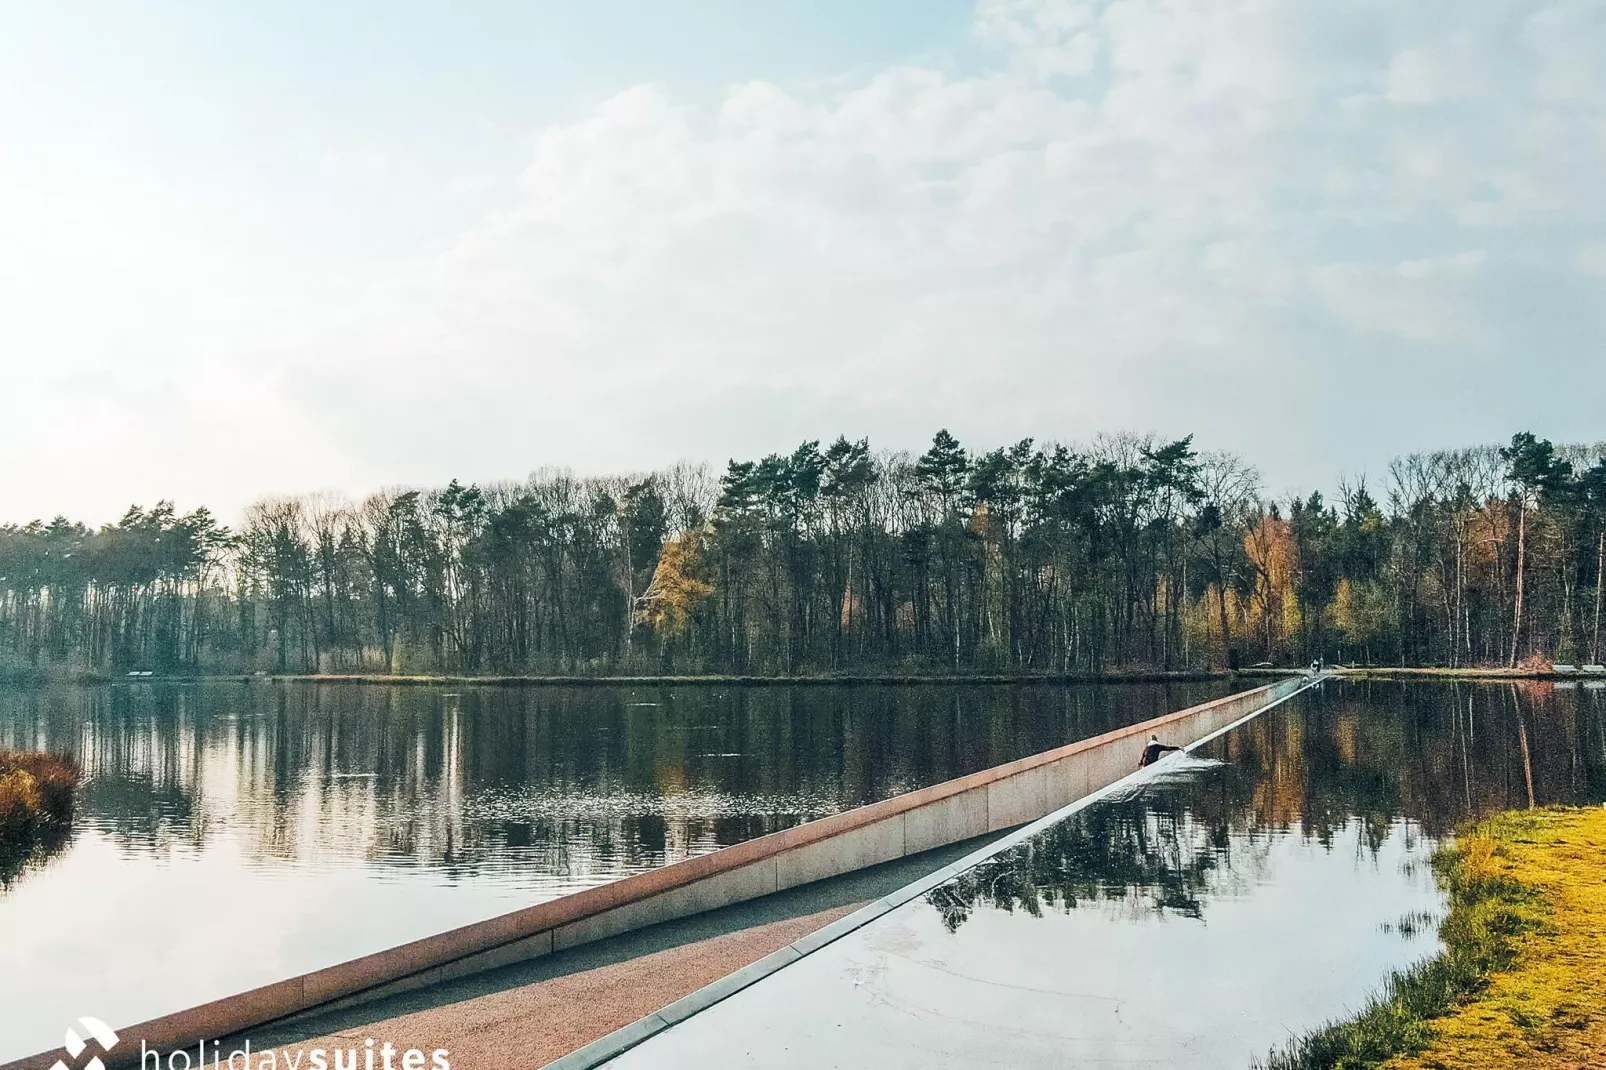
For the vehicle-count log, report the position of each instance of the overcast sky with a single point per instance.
(251, 249)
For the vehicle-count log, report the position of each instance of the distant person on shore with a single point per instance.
(1153, 751)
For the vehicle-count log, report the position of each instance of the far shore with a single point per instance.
(488, 680)
(1466, 673)
(1475, 673)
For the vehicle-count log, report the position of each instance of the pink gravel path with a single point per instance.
(525, 1028)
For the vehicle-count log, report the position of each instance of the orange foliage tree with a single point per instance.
(1273, 562)
(671, 601)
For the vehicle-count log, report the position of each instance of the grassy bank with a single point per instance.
(36, 806)
(1522, 978)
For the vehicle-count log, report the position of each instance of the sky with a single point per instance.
(261, 249)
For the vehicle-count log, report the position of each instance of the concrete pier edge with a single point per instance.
(602, 1050)
(997, 799)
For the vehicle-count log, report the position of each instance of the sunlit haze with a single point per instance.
(262, 249)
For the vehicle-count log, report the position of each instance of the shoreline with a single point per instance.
(1136, 676)
(1519, 981)
(1473, 673)
(710, 680)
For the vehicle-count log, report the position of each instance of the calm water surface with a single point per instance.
(231, 835)
(1234, 899)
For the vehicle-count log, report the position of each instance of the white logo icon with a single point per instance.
(76, 1044)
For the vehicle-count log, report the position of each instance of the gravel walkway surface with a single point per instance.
(526, 1027)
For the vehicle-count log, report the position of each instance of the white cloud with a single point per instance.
(1127, 215)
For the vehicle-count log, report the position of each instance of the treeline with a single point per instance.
(1131, 552)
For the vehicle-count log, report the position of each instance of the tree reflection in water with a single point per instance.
(567, 785)
(1378, 759)
(1147, 855)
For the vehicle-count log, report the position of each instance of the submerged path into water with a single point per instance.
(502, 1019)
(530, 1014)
(1367, 778)
(1254, 891)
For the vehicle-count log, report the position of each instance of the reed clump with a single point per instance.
(1522, 978)
(37, 792)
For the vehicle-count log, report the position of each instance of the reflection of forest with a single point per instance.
(1146, 854)
(569, 781)
(1435, 755)
(1376, 758)
(602, 781)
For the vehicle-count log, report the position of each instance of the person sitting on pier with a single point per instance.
(1152, 752)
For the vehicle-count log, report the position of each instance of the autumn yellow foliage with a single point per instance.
(1274, 560)
(36, 804)
(34, 788)
(672, 599)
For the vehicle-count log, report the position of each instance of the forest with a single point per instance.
(1131, 552)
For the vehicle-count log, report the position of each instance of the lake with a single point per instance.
(232, 834)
